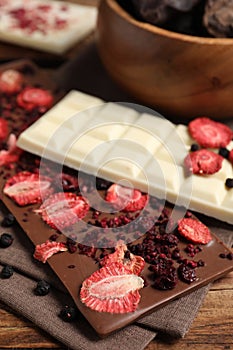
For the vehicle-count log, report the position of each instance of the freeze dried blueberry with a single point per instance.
(7, 271)
(42, 288)
(6, 240)
(224, 152)
(8, 220)
(194, 147)
(229, 183)
(68, 313)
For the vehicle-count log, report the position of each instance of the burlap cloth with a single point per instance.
(18, 292)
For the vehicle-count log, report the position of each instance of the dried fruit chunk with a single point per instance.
(10, 81)
(12, 154)
(209, 133)
(230, 156)
(3, 129)
(63, 209)
(112, 289)
(194, 230)
(27, 188)
(134, 263)
(31, 98)
(45, 250)
(203, 162)
(125, 198)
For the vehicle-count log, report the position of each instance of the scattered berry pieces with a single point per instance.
(203, 162)
(209, 133)
(112, 289)
(12, 153)
(10, 81)
(3, 129)
(8, 220)
(68, 313)
(27, 188)
(6, 240)
(7, 271)
(66, 182)
(31, 98)
(45, 250)
(62, 210)
(194, 230)
(187, 273)
(42, 288)
(125, 198)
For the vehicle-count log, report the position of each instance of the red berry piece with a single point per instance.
(3, 129)
(194, 230)
(63, 209)
(10, 81)
(125, 198)
(45, 250)
(67, 182)
(27, 188)
(203, 162)
(112, 289)
(31, 98)
(12, 154)
(134, 263)
(209, 133)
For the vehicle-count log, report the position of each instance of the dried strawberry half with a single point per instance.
(63, 209)
(10, 81)
(194, 230)
(3, 129)
(134, 263)
(203, 162)
(45, 250)
(30, 98)
(113, 289)
(28, 188)
(125, 198)
(209, 133)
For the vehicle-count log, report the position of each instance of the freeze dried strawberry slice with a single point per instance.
(27, 188)
(10, 81)
(45, 250)
(209, 133)
(194, 230)
(3, 129)
(12, 154)
(113, 289)
(63, 209)
(125, 198)
(31, 98)
(203, 162)
(134, 263)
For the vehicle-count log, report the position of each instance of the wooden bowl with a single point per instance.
(178, 75)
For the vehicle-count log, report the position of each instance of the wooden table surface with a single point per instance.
(211, 330)
(213, 326)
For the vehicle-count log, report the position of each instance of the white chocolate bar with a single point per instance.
(47, 25)
(116, 142)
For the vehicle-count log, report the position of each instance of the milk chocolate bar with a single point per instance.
(51, 26)
(116, 142)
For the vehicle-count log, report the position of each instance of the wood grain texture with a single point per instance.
(212, 328)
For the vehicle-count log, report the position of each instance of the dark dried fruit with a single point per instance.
(6, 240)
(8, 220)
(42, 288)
(209, 133)
(194, 230)
(203, 162)
(224, 152)
(67, 182)
(68, 313)
(186, 273)
(194, 147)
(229, 183)
(7, 271)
